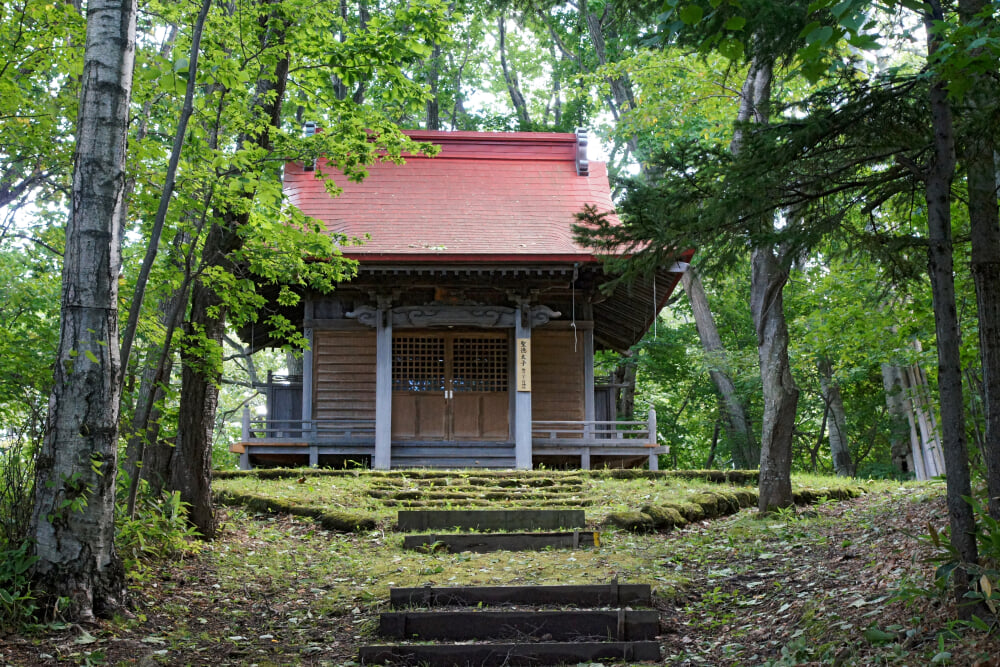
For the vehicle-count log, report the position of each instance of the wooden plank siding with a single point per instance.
(344, 379)
(557, 376)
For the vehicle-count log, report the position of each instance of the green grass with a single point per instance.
(378, 496)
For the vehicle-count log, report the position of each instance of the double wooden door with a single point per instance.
(450, 386)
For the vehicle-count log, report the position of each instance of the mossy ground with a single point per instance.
(794, 588)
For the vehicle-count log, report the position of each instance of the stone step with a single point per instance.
(481, 502)
(512, 655)
(486, 542)
(593, 595)
(472, 493)
(507, 520)
(559, 625)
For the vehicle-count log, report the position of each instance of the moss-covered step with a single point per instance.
(507, 520)
(486, 542)
(558, 625)
(580, 595)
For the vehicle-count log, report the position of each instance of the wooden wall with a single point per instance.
(557, 384)
(344, 375)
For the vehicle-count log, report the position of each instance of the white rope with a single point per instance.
(573, 288)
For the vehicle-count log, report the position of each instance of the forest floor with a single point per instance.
(824, 585)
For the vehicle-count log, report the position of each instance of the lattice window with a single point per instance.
(418, 363)
(479, 364)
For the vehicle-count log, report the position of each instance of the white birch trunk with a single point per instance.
(73, 520)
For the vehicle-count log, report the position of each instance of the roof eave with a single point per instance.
(452, 258)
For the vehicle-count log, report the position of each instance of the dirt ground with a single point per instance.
(811, 588)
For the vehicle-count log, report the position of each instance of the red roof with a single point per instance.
(486, 195)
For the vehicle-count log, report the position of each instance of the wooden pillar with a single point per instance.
(589, 411)
(245, 457)
(522, 402)
(307, 370)
(308, 428)
(654, 459)
(382, 460)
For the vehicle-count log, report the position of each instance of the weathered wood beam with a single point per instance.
(383, 390)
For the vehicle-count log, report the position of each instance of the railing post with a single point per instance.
(654, 459)
(245, 432)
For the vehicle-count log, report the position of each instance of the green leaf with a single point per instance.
(876, 636)
(691, 14)
(735, 23)
(820, 35)
(92, 357)
(731, 49)
(841, 8)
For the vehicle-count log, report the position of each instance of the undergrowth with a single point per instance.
(158, 530)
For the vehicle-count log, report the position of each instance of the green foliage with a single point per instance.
(17, 487)
(159, 530)
(40, 61)
(17, 599)
(984, 576)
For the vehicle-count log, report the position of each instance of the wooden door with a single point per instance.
(478, 375)
(419, 382)
(450, 386)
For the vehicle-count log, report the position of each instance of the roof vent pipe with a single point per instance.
(308, 130)
(582, 165)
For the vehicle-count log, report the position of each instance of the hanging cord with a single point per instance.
(573, 288)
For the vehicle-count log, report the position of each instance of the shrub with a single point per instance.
(17, 600)
(158, 530)
(17, 487)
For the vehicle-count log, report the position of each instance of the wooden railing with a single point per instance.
(347, 431)
(575, 438)
(595, 432)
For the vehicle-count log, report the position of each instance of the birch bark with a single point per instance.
(72, 523)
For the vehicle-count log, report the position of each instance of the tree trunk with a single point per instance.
(902, 438)
(624, 379)
(72, 524)
(433, 121)
(191, 466)
(781, 396)
(622, 97)
(767, 281)
(146, 457)
(711, 452)
(907, 396)
(937, 185)
(510, 78)
(980, 165)
(743, 443)
(924, 421)
(153, 243)
(840, 450)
